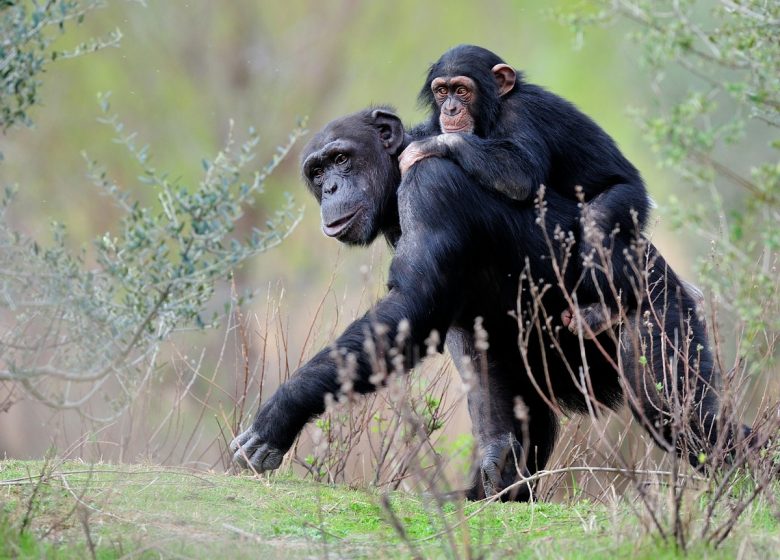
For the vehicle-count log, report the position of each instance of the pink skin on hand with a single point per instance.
(569, 320)
(411, 155)
(435, 146)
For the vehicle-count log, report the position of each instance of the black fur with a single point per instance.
(532, 137)
(451, 266)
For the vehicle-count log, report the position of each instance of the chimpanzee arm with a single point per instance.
(425, 288)
(332, 370)
(513, 167)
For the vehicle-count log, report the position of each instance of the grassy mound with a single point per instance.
(75, 510)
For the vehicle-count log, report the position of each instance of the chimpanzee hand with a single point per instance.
(435, 146)
(262, 447)
(413, 153)
(592, 319)
(251, 452)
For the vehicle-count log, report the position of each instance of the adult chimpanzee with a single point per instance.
(450, 267)
(513, 136)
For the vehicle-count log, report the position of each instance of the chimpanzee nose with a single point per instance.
(451, 109)
(330, 188)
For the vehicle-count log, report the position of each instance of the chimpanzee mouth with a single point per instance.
(465, 129)
(341, 225)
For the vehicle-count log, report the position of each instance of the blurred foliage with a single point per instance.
(27, 30)
(70, 328)
(711, 135)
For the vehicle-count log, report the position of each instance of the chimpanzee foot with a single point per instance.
(499, 468)
(251, 452)
(593, 320)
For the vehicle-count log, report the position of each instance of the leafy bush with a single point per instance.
(28, 30)
(73, 329)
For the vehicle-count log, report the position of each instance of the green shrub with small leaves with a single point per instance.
(77, 326)
(27, 31)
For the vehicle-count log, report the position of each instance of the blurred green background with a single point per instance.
(185, 69)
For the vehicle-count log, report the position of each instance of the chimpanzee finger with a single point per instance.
(491, 478)
(566, 317)
(266, 458)
(244, 448)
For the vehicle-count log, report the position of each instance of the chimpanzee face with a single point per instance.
(455, 97)
(352, 170)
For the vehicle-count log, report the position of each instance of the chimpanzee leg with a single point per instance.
(492, 418)
(501, 437)
(595, 318)
(624, 208)
(669, 369)
(537, 433)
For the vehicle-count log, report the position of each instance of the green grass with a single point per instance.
(153, 511)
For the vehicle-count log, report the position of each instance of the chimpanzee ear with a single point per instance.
(505, 78)
(391, 130)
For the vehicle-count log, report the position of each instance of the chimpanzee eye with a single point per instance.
(441, 90)
(317, 174)
(340, 159)
(461, 90)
